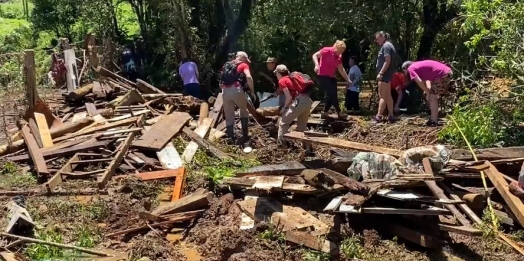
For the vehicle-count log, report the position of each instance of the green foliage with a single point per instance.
(10, 168)
(351, 247)
(480, 123)
(311, 255)
(43, 252)
(224, 169)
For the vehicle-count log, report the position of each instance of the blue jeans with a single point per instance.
(192, 89)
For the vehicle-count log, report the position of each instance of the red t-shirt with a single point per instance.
(285, 83)
(398, 81)
(329, 61)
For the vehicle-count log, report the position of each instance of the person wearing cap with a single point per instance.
(269, 76)
(433, 78)
(234, 76)
(297, 106)
(327, 62)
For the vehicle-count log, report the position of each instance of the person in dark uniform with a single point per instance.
(271, 79)
(128, 63)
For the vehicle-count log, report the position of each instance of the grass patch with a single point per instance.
(311, 255)
(351, 248)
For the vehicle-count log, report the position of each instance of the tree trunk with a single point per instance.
(437, 14)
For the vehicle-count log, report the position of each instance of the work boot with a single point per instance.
(245, 124)
(342, 116)
(230, 132)
(308, 150)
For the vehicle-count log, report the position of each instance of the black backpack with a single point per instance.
(229, 74)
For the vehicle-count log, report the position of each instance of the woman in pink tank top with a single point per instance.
(433, 78)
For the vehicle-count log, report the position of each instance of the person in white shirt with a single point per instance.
(353, 88)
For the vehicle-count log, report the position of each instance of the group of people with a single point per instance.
(432, 77)
(293, 88)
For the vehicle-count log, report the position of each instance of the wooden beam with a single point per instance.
(45, 134)
(34, 152)
(344, 144)
(514, 203)
(195, 201)
(192, 147)
(162, 132)
(145, 87)
(115, 163)
(205, 144)
(64, 151)
(30, 77)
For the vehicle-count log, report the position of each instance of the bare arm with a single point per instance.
(289, 98)
(421, 84)
(249, 79)
(343, 73)
(316, 56)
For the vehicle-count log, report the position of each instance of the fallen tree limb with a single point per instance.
(38, 241)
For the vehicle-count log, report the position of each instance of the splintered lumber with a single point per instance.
(287, 217)
(71, 127)
(36, 132)
(178, 189)
(344, 144)
(34, 152)
(38, 241)
(205, 144)
(472, 198)
(92, 111)
(204, 112)
(105, 72)
(192, 147)
(352, 185)
(489, 154)
(303, 238)
(161, 174)
(115, 163)
(286, 187)
(79, 93)
(98, 128)
(8, 148)
(439, 193)
(63, 152)
(8, 256)
(257, 116)
(195, 201)
(159, 224)
(161, 95)
(317, 178)
(162, 132)
(289, 168)
(98, 90)
(131, 97)
(169, 157)
(57, 178)
(43, 129)
(514, 203)
(217, 110)
(414, 236)
(145, 87)
(350, 209)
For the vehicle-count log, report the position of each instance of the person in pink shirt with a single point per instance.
(433, 78)
(327, 62)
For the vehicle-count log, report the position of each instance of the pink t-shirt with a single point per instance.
(329, 61)
(428, 70)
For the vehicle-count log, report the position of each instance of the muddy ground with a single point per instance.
(215, 236)
(84, 220)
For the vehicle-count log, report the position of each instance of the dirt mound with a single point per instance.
(219, 237)
(154, 246)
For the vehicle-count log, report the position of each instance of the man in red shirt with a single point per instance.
(297, 104)
(233, 78)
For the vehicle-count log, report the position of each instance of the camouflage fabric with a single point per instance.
(438, 155)
(371, 165)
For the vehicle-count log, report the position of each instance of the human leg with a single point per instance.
(304, 106)
(240, 99)
(229, 111)
(323, 82)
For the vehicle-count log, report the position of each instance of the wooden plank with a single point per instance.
(217, 110)
(346, 208)
(36, 132)
(353, 185)
(162, 132)
(345, 144)
(268, 182)
(462, 206)
(129, 115)
(72, 70)
(30, 78)
(115, 163)
(192, 147)
(8, 256)
(303, 238)
(334, 204)
(79, 116)
(43, 129)
(145, 87)
(91, 109)
(34, 152)
(91, 130)
(289, 168)
(195, 201)
(169, 157)
(489, 154)
(439, 193)
(98, 90)
(205, 144)
(178, 189)
(161, 174)
(314, 106)
(54, 181)
(514, 203)
(414, 236)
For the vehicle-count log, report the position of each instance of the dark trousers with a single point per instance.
(352, 100)
(192, 89)
(329, 84)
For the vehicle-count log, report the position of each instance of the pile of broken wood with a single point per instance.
(113, 128)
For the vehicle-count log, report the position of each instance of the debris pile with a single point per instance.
(112, 129)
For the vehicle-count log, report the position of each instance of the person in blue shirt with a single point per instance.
(353, 88)
(128, 63)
